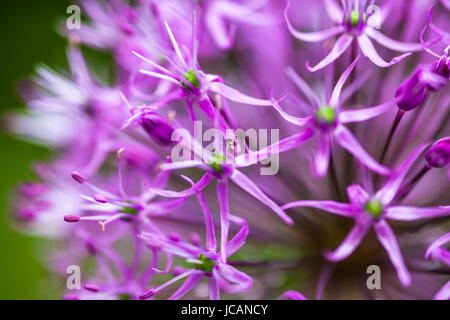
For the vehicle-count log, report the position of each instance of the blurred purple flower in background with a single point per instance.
(107, 196)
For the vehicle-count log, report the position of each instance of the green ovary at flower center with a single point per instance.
(207, 264)
(326, 114)
(354, 18)
(216, 162)
(374, 208)
(129, 209)
(192, 78)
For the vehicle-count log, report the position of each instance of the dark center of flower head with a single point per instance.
(192, 79)
(124, 296)
(206, 265)
(374, 208)
(326, 115)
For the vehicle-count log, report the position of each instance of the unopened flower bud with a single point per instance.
(159, 130)
(438, 156)
(412, 92)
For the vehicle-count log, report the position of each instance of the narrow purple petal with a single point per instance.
(211, 242)
(214, 288)
(366, 113)
(387, 238)
(350, 243)
(339, 208)
(245, 183)
(348, 141)
(236, 96)
(322, 155)
(181, 164)
(334, 100)
(240, 281)
(239, 239)
(389, 190)
(252, 157)
(404, 213)
(342, 43)
(391, 43)
(294, 120)
(200, 185)
(222, 196)
(304, 87)
(439, 242)
(357, 195)
(217, 27)
(369, 51)
(190, 283)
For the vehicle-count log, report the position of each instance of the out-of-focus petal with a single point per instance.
(387, 238)
(222, 196)
(334, 10)
(322, 155)
(292, 294)
(236, 96)
(342, 43)
(304, 87)
(443, 293)
(239, 239)
(369, 51)
(439, 242)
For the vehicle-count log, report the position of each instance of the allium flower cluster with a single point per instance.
(156, 188)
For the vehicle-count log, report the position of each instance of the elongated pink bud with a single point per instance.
(91, 287)
(77, 177)
(100, 198)
(147, 295)
(72, 218)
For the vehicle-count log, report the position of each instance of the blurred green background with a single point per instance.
(28, 35)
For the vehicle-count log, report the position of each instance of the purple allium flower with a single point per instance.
(354, 24)
(328, 123)
(193, 83)
(222, 167)
(373, 210)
